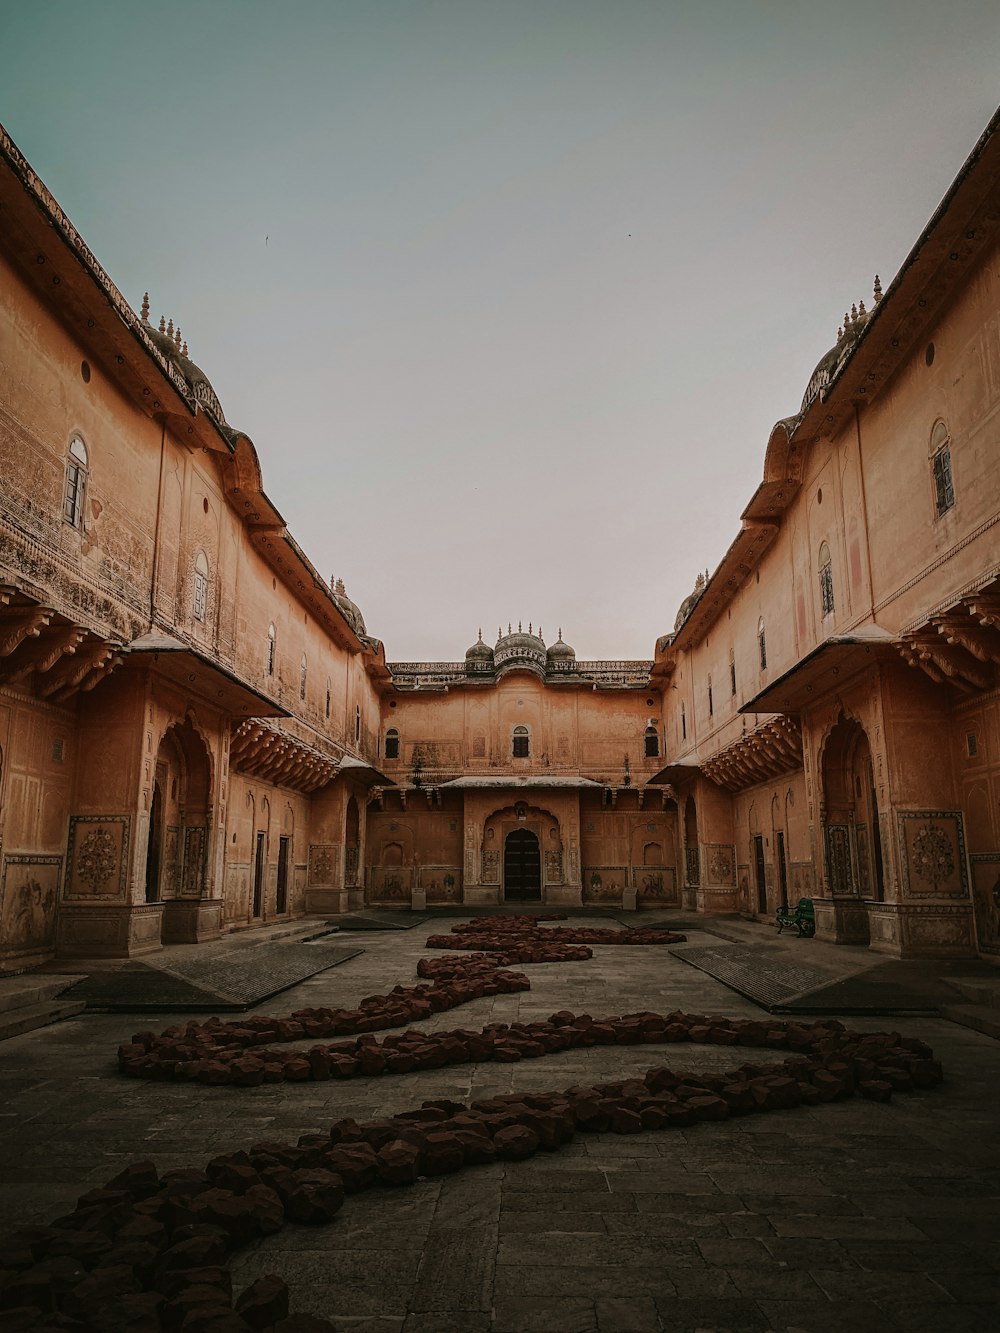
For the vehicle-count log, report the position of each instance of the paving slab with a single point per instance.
(218, 981)
(851, 1215)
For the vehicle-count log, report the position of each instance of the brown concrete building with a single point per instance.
(197, 732)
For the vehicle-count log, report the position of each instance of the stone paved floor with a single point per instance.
(848, 1216)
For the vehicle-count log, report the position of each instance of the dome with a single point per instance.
(520, 651)
(352, 612)
(480, 652)
(848, 334)
(689, 602)
(170, 343)
(560, 651)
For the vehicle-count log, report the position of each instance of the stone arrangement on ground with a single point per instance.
(151, 1249)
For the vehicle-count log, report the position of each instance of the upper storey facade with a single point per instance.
(826, 673)
(176, 679)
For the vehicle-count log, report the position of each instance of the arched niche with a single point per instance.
(850, 813)
(179, 816)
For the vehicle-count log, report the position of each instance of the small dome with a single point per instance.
(689, 602)
(519, 650)
(480, 652)
(850, 331)
(352, 612)
(175, 350)
(560, 651)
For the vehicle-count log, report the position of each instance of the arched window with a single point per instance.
(271, 644)
(76, 481)
(826, 600)
(732, 672)
(520, 743)
(392, 743)
(944, 487)
(652, 741)
(303, 674)
(761, 644)
(200, 599)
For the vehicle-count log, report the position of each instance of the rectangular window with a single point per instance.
(73, 498)
(826, 589)
(944, 488)
(200, 594)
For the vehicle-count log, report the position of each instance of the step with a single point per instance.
(984, 991)
(31, 989)
(980, 1017)
(17, 1021)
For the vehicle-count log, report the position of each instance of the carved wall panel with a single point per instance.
(322, 864)
(392, 885)
(932, 844)
(442, 884)
(604, 884)
(29, 891)
(656, 886)
(838, 860)
(97, 857)
(720, 863)
(553, 867)
(986, 899)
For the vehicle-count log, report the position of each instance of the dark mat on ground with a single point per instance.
(891, 987)
(379, 920)
(765, 977)
(235, 979)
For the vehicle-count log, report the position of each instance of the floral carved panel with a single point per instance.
(97, 858)
(933, 854)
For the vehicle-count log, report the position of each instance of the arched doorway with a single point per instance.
(154, 846)
(692, 866)
(352, 844)
(177, 848)
(522, 867)
(853, 842)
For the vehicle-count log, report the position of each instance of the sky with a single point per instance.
(508, 295)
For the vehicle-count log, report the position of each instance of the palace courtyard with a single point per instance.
(852, 1214)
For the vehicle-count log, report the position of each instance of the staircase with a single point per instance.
(31, 1001)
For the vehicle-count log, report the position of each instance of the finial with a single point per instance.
(840, 333)
(529, 626)
(499, 633)
(854, 314)
(170, 329)
(163, 324)
(340, 588)
(184, 350)
(560, 633)
(480, 633)
(540, 633)
(877, 290)
(519, 630)
(861, 310)
(177, 338)
(847, 320)
(144, 313)
(508, 627)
